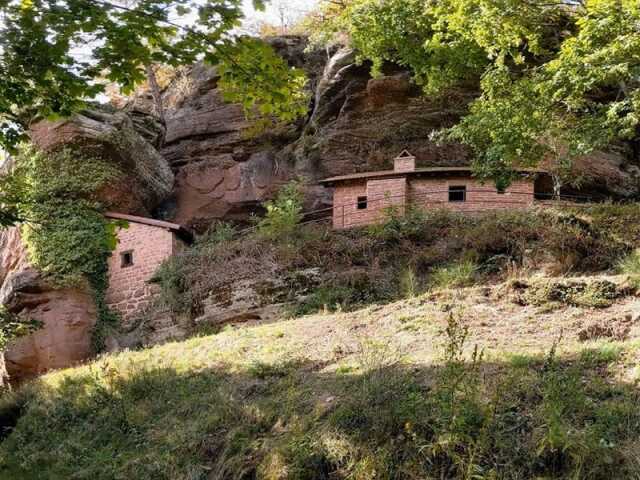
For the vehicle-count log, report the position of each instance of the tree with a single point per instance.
(556, 79)
(54, 54)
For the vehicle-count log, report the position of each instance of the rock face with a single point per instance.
(67, 315)
(220, 172)
(147, 179)
(356, 123)
(261, 298)
(204, 165)
(615, 173)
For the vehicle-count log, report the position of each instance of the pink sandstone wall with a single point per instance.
(434, 193)
(129, 291)
(381, 194)
(425, 192)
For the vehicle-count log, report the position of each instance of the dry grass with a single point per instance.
(516, 378)
(313, 396)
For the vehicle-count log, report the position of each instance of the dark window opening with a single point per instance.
(458, 193)
(362, 203)
(126, 259)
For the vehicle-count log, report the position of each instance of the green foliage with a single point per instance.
(13, 326)
(65, 232)
(43, 76)
(454, 275)
(630, 265)
(557, 79)
(262, 82)
(283, 214)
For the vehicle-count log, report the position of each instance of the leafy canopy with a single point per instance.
(556, 79)
(55, 54)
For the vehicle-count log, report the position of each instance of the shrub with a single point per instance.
(630, 266)
(454, 275)
(283, 214)
(186, 279)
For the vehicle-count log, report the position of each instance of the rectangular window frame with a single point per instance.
(126, 259)
(457, 193)
(362, 202)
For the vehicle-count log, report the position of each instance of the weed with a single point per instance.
(454, 275)
(630, 266)
(409, 283)
(601, 355)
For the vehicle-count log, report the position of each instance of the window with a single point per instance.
(458, 193)
(126, 259)
(362, 203)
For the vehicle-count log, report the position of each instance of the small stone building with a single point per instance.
(142, 247)
(364, 198)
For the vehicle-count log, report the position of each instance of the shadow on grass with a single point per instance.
(526, 418)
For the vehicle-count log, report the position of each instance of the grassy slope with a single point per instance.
(367, 394)
(381, 392)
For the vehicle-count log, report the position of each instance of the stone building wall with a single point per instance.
(129, 290)
(434, 193)
(349, 208)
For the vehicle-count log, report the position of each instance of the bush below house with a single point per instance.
(401, 257)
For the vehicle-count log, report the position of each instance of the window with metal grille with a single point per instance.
(458, 193)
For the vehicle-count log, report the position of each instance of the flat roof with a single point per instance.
(179, 230)
(417, 171)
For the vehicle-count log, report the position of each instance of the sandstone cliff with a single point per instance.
(203, 166)
(355, 123)
(68, 315)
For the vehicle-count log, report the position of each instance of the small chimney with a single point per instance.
(405, 162)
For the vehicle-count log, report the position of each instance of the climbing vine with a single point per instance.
(66, 235)
(13, 326)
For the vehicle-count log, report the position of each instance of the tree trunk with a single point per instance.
(155, 92)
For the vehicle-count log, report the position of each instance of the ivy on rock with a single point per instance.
(67, 237)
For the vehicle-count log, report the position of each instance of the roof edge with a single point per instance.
(181, 231)
(394, 173)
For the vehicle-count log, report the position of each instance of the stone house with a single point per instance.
(141, 248)
(364, 198)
